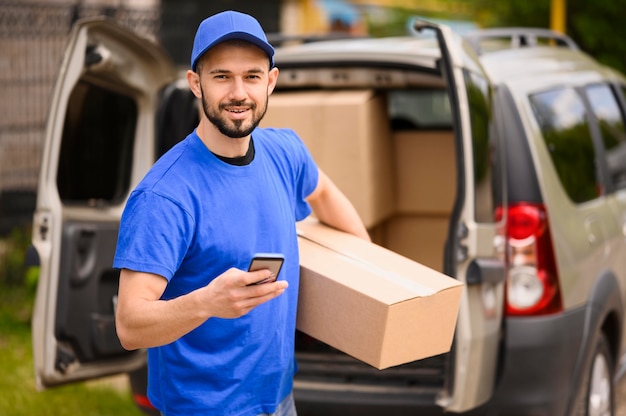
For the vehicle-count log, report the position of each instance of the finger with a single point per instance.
(260, 277)
(262, 293)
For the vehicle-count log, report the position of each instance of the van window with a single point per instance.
(563, 121)
(605, 105)
(487, 187)
(97, 146)
(419, 109)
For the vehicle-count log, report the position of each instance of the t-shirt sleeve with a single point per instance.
(154, 235)
(307, 177)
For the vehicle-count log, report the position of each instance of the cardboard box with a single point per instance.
(348, 134)
(371, 303)
(420, 238)
(418, 154)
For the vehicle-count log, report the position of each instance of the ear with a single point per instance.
(273, 78)
(193, 79)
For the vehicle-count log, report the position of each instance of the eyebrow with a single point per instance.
(228, 71)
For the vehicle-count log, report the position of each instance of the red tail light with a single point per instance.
(143, 402)
(532, 283)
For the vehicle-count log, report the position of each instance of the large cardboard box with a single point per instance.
(420, 238)
(371, 303)
(418, 154)
(348, 134)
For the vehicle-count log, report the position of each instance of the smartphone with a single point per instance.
(270, 261)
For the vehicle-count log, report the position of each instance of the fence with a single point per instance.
(32, 40)
(33, 37)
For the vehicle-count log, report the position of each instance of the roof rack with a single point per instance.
(519, 38)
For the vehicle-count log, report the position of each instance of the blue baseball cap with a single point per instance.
(225, 26)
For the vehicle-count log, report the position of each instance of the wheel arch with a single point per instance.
(606, 312)
(605, 316)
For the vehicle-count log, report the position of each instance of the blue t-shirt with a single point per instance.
(190, 219)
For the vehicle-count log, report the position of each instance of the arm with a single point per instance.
(333, 208)
(143, 320)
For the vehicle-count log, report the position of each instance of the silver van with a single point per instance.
(498, 159)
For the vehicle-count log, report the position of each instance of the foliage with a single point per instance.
(393, 24)
(599, 29)
(596, 26)
(13, 270)
(19, 396)
(495, 13)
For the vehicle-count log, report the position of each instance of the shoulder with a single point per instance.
(173, 167)
(275, 134)
(279, 140)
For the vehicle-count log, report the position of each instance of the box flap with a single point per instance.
(400, 271)
(362, 278)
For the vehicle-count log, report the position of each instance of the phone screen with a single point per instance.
(270, 261)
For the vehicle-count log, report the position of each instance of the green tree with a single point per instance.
(599, 29)
(596, 26)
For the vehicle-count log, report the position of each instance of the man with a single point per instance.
(217, 344)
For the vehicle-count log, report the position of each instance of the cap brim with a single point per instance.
(264, 46)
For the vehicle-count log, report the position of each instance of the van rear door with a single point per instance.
(475, 244)
(99, 142)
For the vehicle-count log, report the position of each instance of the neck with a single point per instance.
(220, 144)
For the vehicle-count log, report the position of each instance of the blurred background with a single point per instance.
(33, 34)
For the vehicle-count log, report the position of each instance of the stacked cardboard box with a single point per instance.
(348, 134)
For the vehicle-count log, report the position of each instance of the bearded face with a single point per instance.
(229, 118)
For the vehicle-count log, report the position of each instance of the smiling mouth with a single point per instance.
(237, 106)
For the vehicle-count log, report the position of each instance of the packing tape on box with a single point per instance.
(397, 279)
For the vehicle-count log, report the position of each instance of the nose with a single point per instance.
(238, 90)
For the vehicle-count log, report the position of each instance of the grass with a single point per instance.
(18, 395)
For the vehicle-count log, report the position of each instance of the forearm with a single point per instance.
(144, 323)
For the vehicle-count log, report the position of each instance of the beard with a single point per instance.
(235, 129)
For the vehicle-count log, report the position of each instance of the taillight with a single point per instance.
(532, 283)
(143, 402)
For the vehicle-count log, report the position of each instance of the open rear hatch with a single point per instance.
(400, 134)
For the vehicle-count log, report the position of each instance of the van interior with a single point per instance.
(393, 160)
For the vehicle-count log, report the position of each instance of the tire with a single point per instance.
(599, 387)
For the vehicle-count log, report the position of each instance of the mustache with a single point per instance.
(241, 103)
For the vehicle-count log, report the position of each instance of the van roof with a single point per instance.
(504, 65)
(545, 61)
(391, 50)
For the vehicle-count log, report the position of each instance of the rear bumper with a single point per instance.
(541, 365)
(313, 399)
(537, 375)
(332, 383)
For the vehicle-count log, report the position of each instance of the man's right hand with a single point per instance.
(143, 320)
(233, 293)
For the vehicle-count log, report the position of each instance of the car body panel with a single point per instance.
(588, 236)
(479, 322)
(73, 322)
